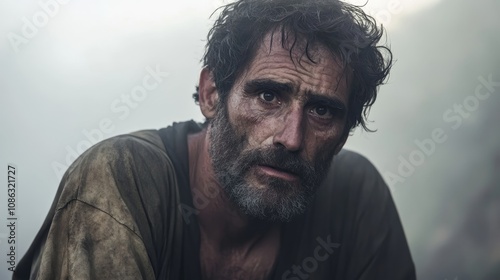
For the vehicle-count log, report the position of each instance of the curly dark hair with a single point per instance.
(344, 29)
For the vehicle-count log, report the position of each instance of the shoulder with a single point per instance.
(117, 167)
(354, 171)
(120, 149)
(350, 163)
(354, 188)
(371, 230)
(133, 144)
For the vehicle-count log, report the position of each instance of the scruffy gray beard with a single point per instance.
(279, 200)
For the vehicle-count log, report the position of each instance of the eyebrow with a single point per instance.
(314, 98)
(260, 84)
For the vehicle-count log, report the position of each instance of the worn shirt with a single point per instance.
(124, 210)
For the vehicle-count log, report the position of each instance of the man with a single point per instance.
(255, 192)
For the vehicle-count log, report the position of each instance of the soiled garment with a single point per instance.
(124, 210)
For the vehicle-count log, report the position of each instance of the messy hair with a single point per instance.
(350, 34)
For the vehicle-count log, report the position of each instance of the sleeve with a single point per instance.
(375, 241)
(109, 219)
(85, 242)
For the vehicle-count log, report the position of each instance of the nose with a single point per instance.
(290, 132)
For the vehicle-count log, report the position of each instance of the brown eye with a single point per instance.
(321, 110)
(267, 96)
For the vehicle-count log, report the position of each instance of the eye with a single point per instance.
(267, 96)
(323, 112)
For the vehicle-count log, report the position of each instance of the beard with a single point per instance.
(268, 198)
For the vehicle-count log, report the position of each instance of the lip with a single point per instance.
(270, 171)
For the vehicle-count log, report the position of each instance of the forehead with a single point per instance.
(273, 60)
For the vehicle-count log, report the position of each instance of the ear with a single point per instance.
(208, 94)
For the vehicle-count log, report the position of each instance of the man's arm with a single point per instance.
(378, 245)
(108, 216)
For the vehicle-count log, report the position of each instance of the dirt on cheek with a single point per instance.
(244, 112)
(255, 124)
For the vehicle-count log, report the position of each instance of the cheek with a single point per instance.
(250, 120)
(320, 145)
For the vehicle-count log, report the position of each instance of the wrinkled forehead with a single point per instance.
(280, 55)
(298, 47)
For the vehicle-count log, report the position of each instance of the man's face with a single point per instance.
(271, 145)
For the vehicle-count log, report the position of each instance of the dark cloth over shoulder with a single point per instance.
(351, 231)
(92, 231)
(124, 210)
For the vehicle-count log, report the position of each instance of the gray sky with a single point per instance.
(70, 75)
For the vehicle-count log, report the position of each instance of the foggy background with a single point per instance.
(68, 70)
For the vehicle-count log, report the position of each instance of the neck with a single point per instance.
(221, 222)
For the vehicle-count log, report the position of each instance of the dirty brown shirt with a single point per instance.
(124, 210)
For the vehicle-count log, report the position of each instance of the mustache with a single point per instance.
(278, 158)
